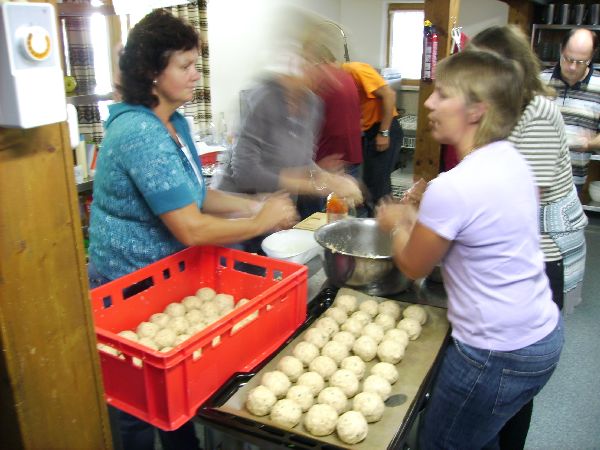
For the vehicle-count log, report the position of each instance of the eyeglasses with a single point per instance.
(577, 62)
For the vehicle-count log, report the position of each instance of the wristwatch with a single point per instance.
(384, 133)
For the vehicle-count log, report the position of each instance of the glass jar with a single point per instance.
(338, 208)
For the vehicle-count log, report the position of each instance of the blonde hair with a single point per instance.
(509, 41)
(480, 76)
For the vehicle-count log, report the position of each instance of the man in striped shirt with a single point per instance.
(577, 86)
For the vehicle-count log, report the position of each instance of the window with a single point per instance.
(405, 37)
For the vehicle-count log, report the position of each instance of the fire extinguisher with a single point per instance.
(430, 51)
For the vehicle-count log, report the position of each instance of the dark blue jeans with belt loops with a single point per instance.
(477, 391)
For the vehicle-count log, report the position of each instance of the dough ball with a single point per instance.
(335, 350)
(378, 385)
(349, 303)
(313, 380)
(260, 401)
(277, 382)
(175, 310)
(398, 335)
(160, 319)
(371, 307)
(411, 326)
(205, 293)
(291, 366)
(328, 325)
(178, 324)
(321, 420)
(209, 310)
(391, 308)
(225, 311)
(384, 321)
(305, 352)
(354, 364)
(130, 335)
(370, 405)
(166, 349)
(336, 313)
(362, 317)
(286, 413)
(386, 370)
(194, 316)
(335, 397)
(373, 330)
(147, 329)
(316, 336)
(223, 302)
(346, 381)
(181, 338)
(191, 302)
(165, 338)
(365, 347)
(302, 395)
(324, 366)
(353, 326)
(344, 337)
(416, 312)
(241, 302)
(147, 342)
(390, 351)
(352, 427)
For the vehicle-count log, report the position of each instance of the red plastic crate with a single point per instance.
(209, 158)
(166, 389)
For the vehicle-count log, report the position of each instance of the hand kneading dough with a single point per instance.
(365, 347)
(316, 336)
(313, 380)
(354, 364)
(277, 382)
(346, 338)
(335, 350)
(302, 395)
(328, 325)
(346, 381)
(353, 326)
(324, 366)
(128, 334)
(335, 397)
(349, 303)
(398, 335)
(160, 319)
(336, 313)
(205, 293)
(391, 308)
(321, 420)
(373, 330)
(175, 310)
(260, 401)
(352, 427)
(191, 302)
(362, 317)
(379, 385)
(390, 352)
(416, 312)
(371, 307)
(147, 329)
(305, 352)
(291, 366)
(384, 321)
(386, 370)
(286, 413)
(370, 405)
(411, 326)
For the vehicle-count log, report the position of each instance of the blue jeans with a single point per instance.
(477, 391)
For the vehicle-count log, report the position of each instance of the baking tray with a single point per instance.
(227, 411)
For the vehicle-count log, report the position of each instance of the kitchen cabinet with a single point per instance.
(593, 175)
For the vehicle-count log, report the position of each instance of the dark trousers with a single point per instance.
(378, 166)
(514, 433)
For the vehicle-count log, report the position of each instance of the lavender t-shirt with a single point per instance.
(498, 294)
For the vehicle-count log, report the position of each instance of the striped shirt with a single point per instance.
(540, 137)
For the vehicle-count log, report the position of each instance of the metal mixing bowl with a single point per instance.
(359, 255)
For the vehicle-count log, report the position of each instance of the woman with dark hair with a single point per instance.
(150, 199)
(480, 220)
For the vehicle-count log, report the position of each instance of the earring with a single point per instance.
(155, 82)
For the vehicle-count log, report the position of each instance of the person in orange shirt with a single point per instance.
(382, 134)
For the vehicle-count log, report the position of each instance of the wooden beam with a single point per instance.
(442, 14)
(51, 393)
(520, 12)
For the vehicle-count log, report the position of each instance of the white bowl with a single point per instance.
(594, 190)
(293, 245)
